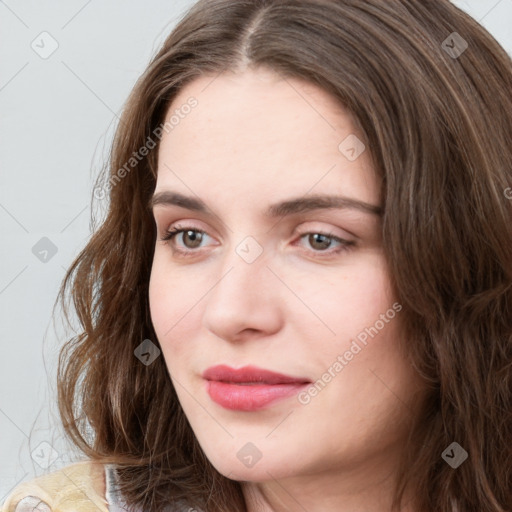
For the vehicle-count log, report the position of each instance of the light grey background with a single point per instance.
(57, 120)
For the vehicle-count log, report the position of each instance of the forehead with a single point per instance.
(257, 132)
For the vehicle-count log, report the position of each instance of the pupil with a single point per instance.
(195, 236)
(318, 236)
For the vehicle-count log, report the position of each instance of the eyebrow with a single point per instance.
(288, 207)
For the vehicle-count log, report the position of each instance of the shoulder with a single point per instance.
(78, 487)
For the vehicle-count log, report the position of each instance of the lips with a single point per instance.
(249, 375)
(249, 388)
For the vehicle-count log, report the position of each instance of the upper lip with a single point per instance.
(250, 374)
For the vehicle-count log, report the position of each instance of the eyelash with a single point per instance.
(171, 233)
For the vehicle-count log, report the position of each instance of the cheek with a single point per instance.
(358, 334)
(369, 329)
(175, 308)
(347, 302)
(158, 297)
(169, 294)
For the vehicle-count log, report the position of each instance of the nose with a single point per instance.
(245, 300)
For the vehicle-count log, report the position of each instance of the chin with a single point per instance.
(259, 473)
(247, 464)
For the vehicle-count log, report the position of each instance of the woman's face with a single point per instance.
(264, 280)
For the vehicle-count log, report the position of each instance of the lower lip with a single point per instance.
(240, 397)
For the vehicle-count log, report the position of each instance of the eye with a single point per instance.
(188, 232)
(192, 238)
(322, 241)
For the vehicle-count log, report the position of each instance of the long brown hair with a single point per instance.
(437, 120)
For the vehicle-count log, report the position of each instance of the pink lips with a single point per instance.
(249, 388)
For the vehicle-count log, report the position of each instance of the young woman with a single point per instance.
(301, 296)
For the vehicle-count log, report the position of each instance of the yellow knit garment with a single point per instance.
(78, 487)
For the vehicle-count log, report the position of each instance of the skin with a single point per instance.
(252, 140)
